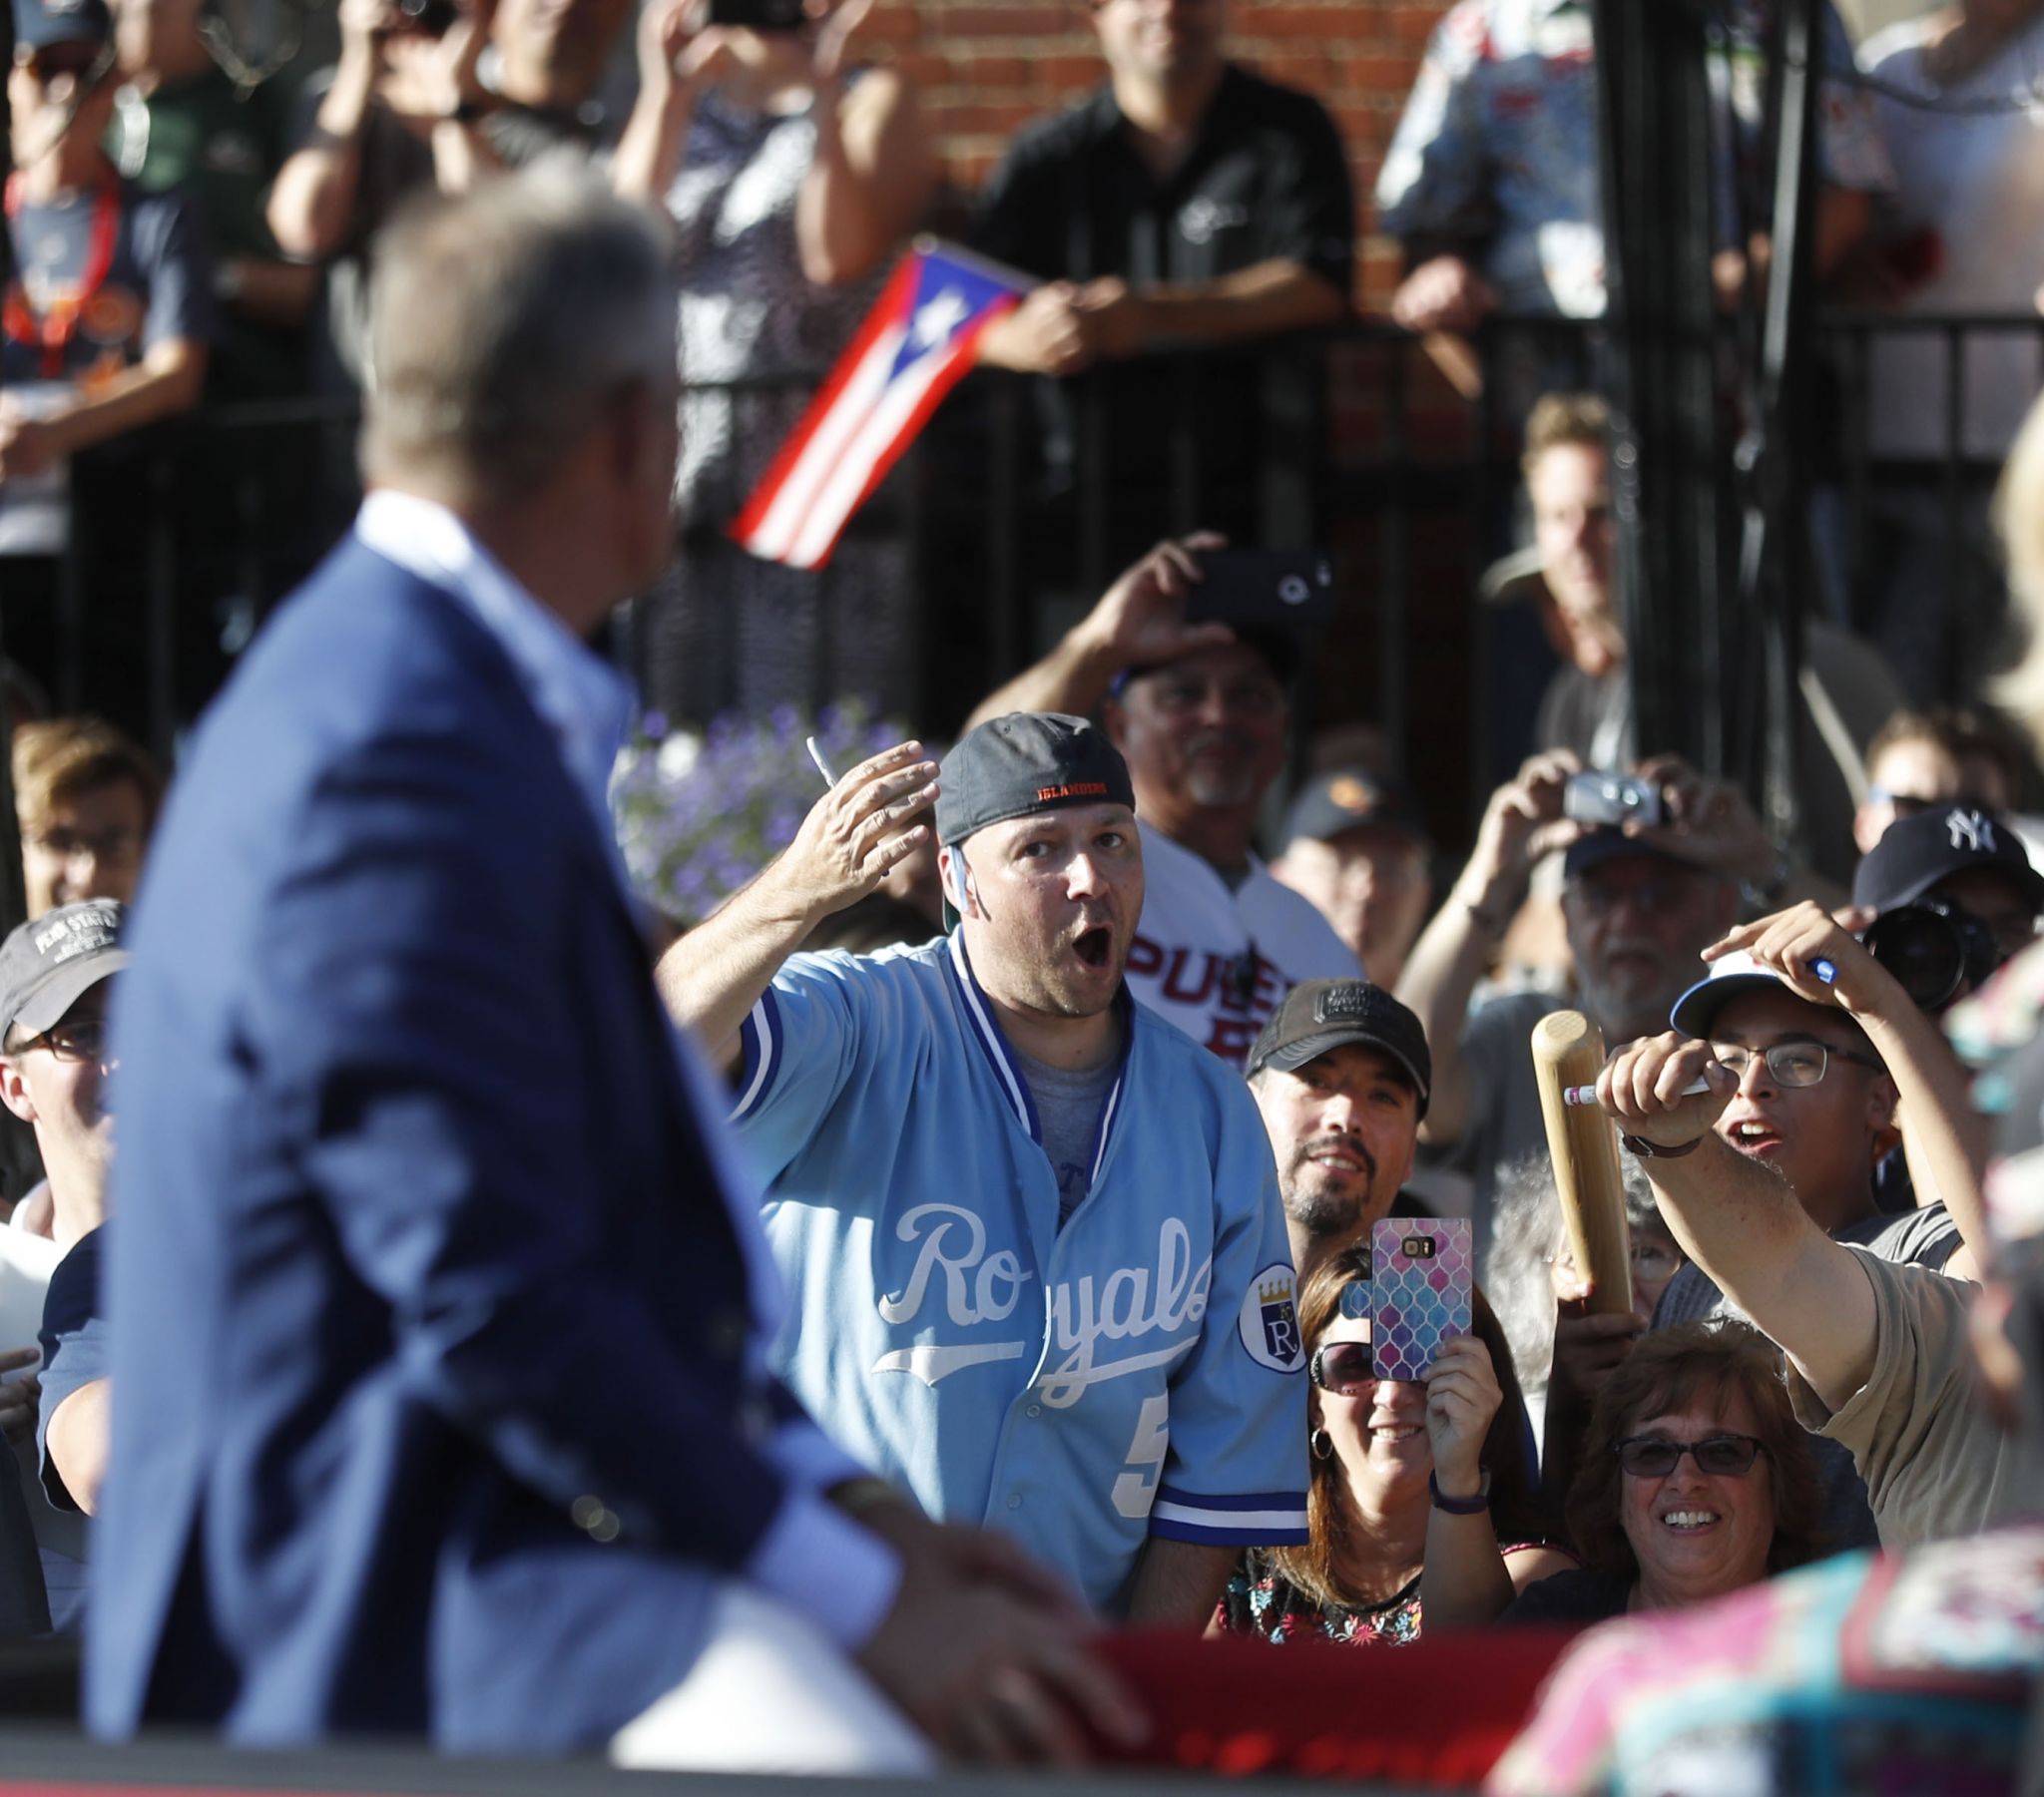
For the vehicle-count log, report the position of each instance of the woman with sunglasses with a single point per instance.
(1695, 1479)
(1406, 1480)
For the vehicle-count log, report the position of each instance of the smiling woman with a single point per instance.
(1695, 1479)
(1413, 1483)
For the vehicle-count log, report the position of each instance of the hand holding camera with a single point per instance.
(430, 58)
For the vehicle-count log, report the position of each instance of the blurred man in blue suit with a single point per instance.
(438, 1311)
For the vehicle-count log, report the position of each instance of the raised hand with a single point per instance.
(856, 831)
(1524, 820)
(1709, 821)
(1462, 1396)
(1140, 620)
(1790, 943)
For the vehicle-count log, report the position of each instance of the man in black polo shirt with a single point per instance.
(1187, 203)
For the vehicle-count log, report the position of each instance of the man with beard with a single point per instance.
(1202, 714)
(1638, 908)
(1037, 1255)
(1340, 1074)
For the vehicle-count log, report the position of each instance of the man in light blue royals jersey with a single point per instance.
(1040, 1267)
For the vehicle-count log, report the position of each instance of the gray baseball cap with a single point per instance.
(1027, 761)
(49, 963)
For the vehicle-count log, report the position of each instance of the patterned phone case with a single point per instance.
(1418, 1296)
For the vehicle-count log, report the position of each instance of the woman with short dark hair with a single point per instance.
(1695, 1479)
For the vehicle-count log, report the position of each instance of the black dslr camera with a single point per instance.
(1934, 951)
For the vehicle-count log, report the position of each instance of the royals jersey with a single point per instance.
(1217, 962)
(1136, 1372)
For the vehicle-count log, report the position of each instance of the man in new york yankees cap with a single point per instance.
(1038, 1259)
(1955, 858)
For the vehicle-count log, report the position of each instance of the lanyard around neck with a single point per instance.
(58, 324)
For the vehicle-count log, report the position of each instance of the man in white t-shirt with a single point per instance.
(1201, 712)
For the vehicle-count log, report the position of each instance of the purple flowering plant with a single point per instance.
(699, 815)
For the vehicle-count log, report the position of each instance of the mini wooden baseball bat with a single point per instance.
(1568, 1049)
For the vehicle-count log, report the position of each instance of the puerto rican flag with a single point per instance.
(913, 347)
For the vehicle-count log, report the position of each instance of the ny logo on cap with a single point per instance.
(1970, 831)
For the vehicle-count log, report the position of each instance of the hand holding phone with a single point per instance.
(1263, 588)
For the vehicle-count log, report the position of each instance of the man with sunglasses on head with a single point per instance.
(55, 975)
(109, 301)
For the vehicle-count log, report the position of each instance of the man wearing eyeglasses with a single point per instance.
(1877, 1351)
(55, 981)
(86, 799)
(1814, 1092)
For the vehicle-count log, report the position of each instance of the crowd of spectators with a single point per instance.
(1064, 1120)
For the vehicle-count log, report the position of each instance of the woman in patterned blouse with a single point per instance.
(1383, 1452)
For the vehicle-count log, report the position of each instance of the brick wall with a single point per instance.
(984, 67)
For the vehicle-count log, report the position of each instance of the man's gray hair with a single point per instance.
(504, 323)
(1526, 1232)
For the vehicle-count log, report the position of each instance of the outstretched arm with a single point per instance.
(1739, 1221)
(860, 828)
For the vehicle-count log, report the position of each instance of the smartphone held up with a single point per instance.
(1422, 1274)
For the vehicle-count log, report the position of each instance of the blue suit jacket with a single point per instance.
(431, 1324)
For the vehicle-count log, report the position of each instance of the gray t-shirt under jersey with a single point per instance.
(1068, 1101)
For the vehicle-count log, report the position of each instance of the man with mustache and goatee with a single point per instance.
(1203, 712)
(1038, 1261)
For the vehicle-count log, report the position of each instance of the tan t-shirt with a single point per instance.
(1935, 1463)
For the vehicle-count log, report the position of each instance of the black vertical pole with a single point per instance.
(1775, 574)
(1668, 461)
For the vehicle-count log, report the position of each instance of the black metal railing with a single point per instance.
(1020, 505)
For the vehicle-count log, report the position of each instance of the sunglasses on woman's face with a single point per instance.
(1655, 1456)
(1344, 1368)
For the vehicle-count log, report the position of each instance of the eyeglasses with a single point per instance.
(1655, 1456)
(1793, 1063)
(75, 1039)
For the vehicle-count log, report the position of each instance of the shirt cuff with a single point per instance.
(820, 1562)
